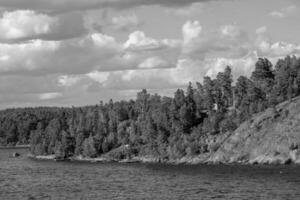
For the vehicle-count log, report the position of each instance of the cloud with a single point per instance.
(147, 52)
(229, 41)
(186, 11)
(82, 55)
(100, 52)
(46, 57)
(125, 23)
(73, 5)
(261, 30)
(68, 25)
(99, 21)
(138, 41)
(166, 78)
(67, 81)
(231, 31)
(277, 14)
(47, 96)
(240, 66)
(100, 77)
(226, 43)
(26, 56)
(84, 69)
(191, 30)
(267, 48)
(154, 62)
(278, 48)
(284, 12)
(24, 23)
(138, 79)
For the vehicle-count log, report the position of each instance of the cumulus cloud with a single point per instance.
(278, 48)
(99, 66)
(229, 40)
(166, 78)
(135, 79)
(138, 41)
(44, 57)
(24, 23)
(97, 55)
(284, 12)
(69, 56)
(185, 71)
(85, 54)
(266, 47)
(26, 56)
(146, 52)
(240, 66)
(191, 30)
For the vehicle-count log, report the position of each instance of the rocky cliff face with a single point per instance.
(271, 137)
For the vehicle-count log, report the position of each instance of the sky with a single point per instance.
(78, 52)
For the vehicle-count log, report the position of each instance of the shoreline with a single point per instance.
(153, 160)
(15, 147)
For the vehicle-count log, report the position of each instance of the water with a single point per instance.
(23, 178)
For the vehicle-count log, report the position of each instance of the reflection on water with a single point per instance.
(22, 178)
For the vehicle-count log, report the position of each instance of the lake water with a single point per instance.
(23, 178)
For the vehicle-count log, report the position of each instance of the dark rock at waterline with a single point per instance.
(15, 154)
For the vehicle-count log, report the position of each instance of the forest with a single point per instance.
(164, 127)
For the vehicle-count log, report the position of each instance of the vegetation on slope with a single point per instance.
(162, 127)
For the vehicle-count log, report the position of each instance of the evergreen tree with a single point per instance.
(263, 75)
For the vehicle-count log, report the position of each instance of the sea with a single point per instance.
(25, 178)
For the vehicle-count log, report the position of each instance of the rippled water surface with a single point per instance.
(22, 178)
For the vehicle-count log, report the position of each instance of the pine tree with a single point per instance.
(263, 75)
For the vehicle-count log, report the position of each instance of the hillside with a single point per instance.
(270, 137)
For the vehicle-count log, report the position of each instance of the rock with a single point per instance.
(15, 154)
(264, 139)
(288, 161)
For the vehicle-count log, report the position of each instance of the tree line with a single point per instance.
(164, 127)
